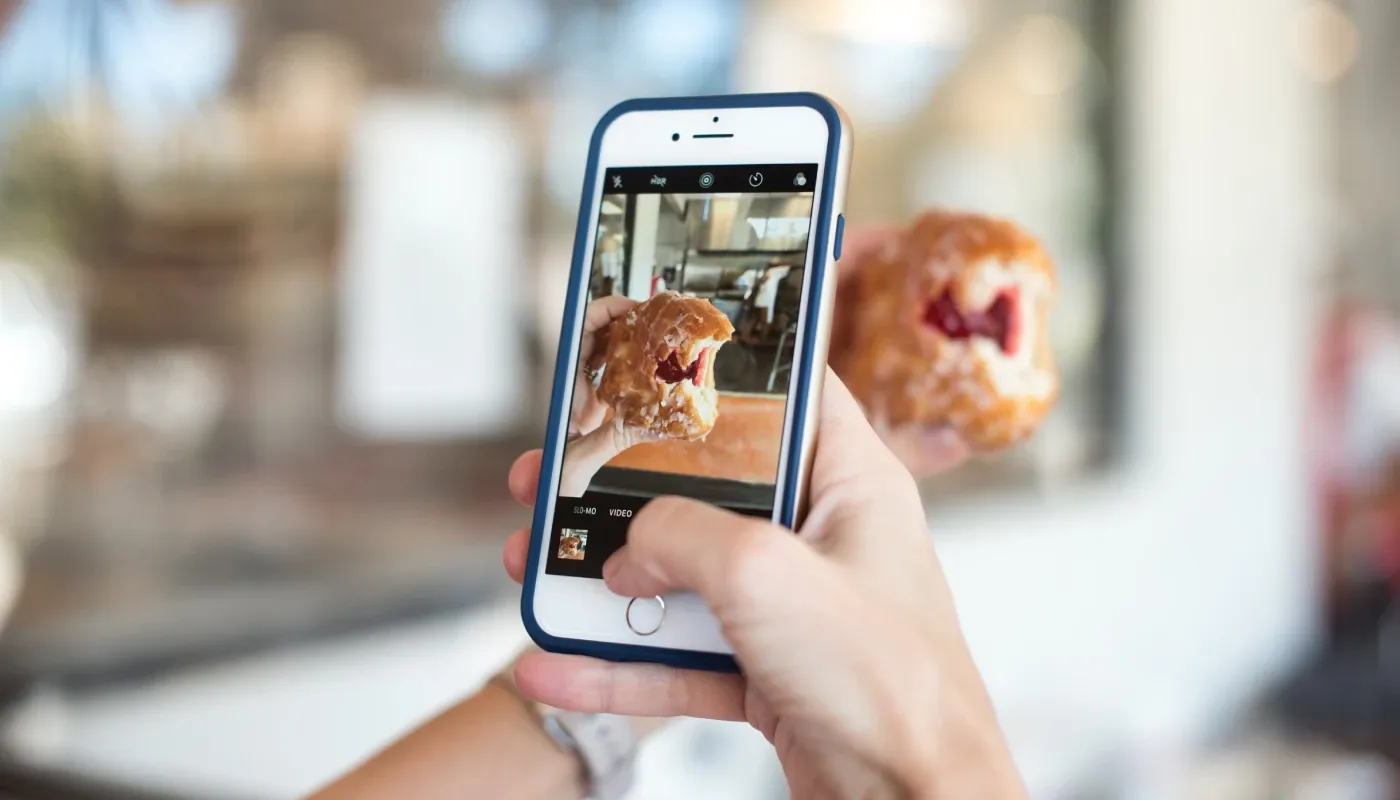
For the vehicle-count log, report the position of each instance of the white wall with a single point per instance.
(1181, 587)
(645, 226)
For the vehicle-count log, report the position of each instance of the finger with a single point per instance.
(927, 451)
(597, 321)
(591, 686)
(515, 553)
(604, 310)
(864, 499)
(679, 544)
(597, 318)
(849, 451)
(525, 476)
(859, 244)
(596, 354)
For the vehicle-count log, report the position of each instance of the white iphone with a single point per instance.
(710, 225)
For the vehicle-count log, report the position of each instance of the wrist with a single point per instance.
(601, 445)
(602, 746)
(583, 457)
(488, 745)
(557, 773)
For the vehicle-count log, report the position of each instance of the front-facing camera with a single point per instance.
(675, 137)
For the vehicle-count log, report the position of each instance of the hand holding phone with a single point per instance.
(854, 664)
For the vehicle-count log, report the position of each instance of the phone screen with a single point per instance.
(734, 238)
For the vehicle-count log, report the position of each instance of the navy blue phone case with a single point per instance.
(539, 530)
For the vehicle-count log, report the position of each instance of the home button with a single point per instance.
(645, 615)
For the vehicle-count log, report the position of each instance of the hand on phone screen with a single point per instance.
(588, 411)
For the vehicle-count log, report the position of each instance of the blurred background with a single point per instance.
(280, 283)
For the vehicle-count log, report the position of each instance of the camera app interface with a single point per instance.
(686, 352)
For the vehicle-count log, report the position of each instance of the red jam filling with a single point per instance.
(670, 370)
(999, 322)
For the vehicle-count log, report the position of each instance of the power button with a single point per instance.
(840, 229)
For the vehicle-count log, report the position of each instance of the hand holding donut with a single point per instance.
(657, 360)
(588, 411)
(941, 333)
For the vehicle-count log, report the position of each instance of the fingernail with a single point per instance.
(610, 567)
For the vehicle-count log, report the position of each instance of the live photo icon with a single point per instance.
(800, 180)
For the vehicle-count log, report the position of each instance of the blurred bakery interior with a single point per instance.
(280, 286)
(743, 252)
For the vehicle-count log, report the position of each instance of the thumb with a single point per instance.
(780, 603)
(861, 244)
(728, 559)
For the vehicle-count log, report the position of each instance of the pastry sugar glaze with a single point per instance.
(949, 327)
(658, 375)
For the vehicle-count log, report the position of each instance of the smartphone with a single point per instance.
(735, 201)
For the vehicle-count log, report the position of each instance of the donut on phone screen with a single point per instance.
(948, 326)
(659, 375)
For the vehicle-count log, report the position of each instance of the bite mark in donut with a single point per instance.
(1000, 322)
(669, 369)
(658, 374)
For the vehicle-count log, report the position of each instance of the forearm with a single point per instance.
(490, 745)
(959, 749)
(974, 762)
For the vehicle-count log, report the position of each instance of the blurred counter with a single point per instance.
(389, 548)
(80, 620)
(122, 630)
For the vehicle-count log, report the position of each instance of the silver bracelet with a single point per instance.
(605, 744)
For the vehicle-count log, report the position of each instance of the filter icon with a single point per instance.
(800, 180)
